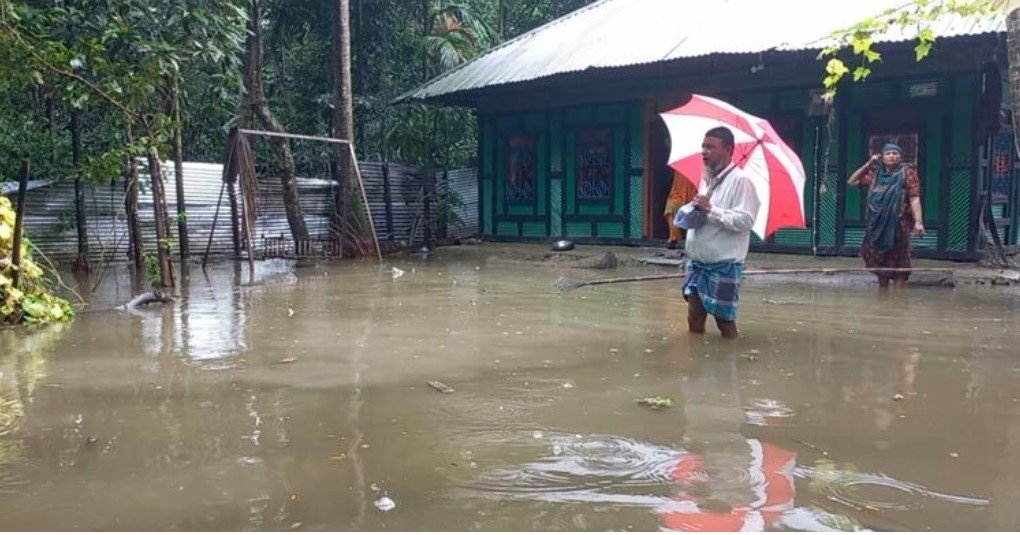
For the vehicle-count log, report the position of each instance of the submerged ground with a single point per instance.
(300, 402)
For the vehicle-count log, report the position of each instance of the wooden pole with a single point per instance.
(567, 285)
(354, 161)
(364, 198)
(292, 136)
(19, 216)
(212, 231)
(247, 212)
(178, 155)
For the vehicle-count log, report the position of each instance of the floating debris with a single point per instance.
(287, 360)
(656, 402)
(385, 504)
(290, 312)
(442, 388)
(397, 273)
(954, 455)
(783, 303)
(897, 397)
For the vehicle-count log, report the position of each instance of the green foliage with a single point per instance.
(30, 301)
(913, 18)
(152, 269)
(119, 56)
(101, 56)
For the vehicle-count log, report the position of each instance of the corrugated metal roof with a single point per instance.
(618, 33)
(10, 188)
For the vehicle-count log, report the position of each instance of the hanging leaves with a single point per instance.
(913, 18)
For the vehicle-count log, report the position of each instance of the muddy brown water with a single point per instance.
(301, 402)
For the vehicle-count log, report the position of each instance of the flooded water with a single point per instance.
(301, 403)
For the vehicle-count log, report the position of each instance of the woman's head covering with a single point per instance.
(892, 146)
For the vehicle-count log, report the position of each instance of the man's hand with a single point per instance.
(875, 158)
(919, 229)
(703, 203)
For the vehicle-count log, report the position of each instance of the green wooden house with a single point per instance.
(571, 145)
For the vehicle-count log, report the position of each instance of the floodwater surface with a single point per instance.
(301, 403)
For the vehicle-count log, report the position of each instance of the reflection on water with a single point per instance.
(301, 400)
(206, 323)
(731, 483)
(23, 368)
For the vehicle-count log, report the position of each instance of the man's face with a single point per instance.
(892, 158)
(714, 153)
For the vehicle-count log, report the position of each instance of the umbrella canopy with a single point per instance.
(776, 171)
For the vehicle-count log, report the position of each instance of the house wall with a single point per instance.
(940, 108)
(573, 172)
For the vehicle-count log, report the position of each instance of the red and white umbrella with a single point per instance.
(773, 167)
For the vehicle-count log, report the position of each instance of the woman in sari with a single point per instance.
(893, 212)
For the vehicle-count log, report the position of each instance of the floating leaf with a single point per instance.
(656, 402)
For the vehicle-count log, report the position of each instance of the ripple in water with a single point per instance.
(592, 469)
(873, 491)
(612, 470)
(498, 414)
(766, 412)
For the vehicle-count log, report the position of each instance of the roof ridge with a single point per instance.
(559, 20)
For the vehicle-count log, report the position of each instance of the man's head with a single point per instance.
(717, 148)
(892, 154)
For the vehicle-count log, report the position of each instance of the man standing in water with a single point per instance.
(717, 247)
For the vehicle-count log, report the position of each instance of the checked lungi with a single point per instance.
(717, 284)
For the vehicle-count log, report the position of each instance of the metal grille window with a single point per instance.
(595, 164)
(521, 168)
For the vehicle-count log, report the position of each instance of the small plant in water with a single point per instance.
(152, 268)
(656, 402)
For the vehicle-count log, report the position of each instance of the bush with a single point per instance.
(31, 302)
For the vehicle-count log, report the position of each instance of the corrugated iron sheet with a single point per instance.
(618, 33)
(50, 221)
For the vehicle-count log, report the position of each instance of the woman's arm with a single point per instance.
(913, 188)
(915, 207)
(855, 179)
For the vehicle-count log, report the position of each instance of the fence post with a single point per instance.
(388, 198)
(19, 217)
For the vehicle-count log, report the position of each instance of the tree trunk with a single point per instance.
(502, 20)
(131, 203)
(81, 263)
(1013, 45)
(360, 61)
(255, 105)
(343, 109)
(178, 149)
(166, 277)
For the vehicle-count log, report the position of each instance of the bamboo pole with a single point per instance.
(212, 231)
(354, 160)
(247, 212)
(19, 217)
(364, 198)
(566, 285)
(293, 136)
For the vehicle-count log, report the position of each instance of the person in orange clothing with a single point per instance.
(681, 193)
